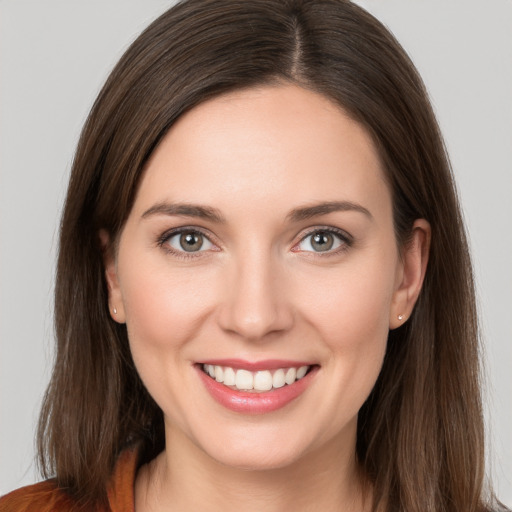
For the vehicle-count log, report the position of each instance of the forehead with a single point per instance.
(267, 145)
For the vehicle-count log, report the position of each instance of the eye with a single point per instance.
(322, 240)
(189, 241)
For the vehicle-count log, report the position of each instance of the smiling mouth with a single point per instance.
(257, 381)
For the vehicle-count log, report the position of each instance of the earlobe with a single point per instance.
(413, 268)
(115, 301)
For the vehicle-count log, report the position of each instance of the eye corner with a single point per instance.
(336, 241)
(171, 241)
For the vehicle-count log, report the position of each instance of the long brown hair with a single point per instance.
(420, 433)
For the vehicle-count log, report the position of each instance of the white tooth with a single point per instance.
(263, 381)
(278, 380)
(211, 370)
(301, 372)
(219, 374)
(244, 380)
(291, 374)
(229, 377)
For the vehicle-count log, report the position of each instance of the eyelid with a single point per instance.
(346, 239)
(162, 241)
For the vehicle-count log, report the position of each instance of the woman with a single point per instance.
(263, 284)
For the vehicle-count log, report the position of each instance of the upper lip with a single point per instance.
(252, 366)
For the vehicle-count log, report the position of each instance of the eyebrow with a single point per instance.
(186, 209)
(214, 215)
(307, 212)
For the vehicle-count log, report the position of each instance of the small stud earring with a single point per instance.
(115, 311)
(400, 317)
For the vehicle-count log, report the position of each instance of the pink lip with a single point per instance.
(255, 403)
(267, 364)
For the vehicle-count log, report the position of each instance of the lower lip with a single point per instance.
(256, 403)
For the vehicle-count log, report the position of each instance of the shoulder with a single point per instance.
(47, 496)
(41, 497)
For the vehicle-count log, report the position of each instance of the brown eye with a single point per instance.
(189, 241)
(322, 240)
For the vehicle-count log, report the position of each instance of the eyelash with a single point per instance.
(345, 239)
(164, 238)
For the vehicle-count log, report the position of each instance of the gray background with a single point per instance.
(54, 56)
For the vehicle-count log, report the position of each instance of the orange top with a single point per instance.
(47, 497)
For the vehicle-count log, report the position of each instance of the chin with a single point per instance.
(253, 451)
(261, 459)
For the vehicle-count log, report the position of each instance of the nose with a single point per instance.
(255, 304)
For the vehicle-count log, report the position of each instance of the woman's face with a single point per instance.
(260, 242)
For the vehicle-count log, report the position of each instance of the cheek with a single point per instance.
(351, 314)
(355, 329)
(164, 310)
(351, 306)
(163, 307)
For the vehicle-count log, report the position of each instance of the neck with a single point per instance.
(184, 478)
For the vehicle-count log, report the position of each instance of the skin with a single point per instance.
(258, 290)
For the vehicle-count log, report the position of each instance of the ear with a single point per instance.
(411, 274)
(115, 298)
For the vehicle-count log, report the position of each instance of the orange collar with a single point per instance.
(120, 490)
